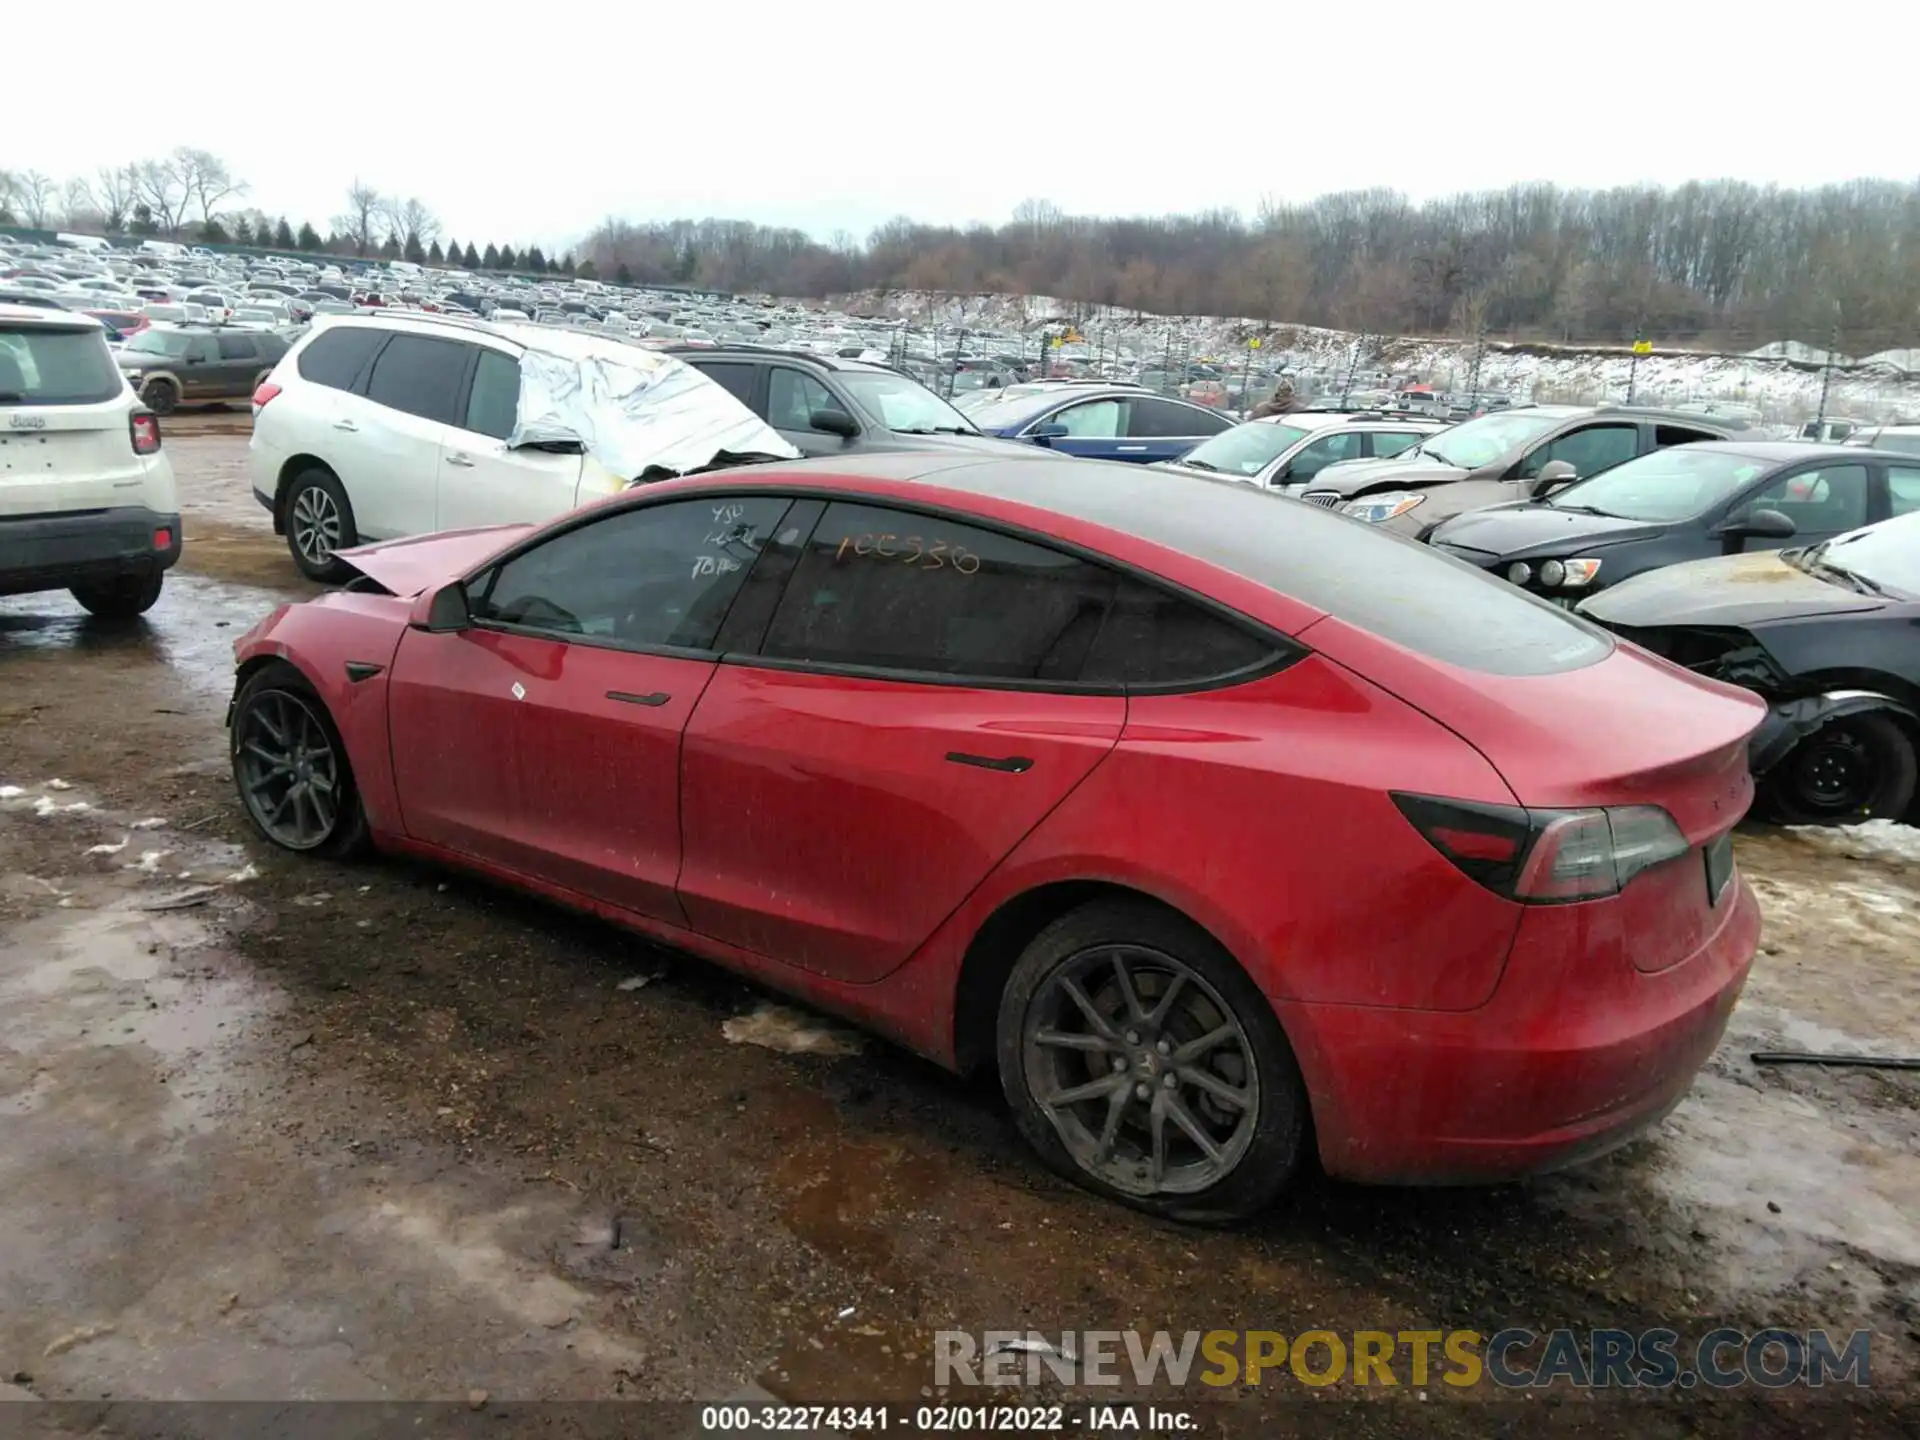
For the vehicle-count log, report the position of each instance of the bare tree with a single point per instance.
(109, 196)
(159, 186)
(358, 223)
(205, 178)
(409, 221)
(33, 195)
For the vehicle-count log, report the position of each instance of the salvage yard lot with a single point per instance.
(379, 1131)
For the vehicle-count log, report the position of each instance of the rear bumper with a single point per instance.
(1542, 1076)
(52, 552)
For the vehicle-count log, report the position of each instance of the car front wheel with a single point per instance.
(160, 396)
(1142, 1062)
(290, 767)
(1859, 767)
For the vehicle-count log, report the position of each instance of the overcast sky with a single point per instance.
(839, 114)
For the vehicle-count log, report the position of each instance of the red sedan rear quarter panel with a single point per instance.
(320, 638)
(1262, 812)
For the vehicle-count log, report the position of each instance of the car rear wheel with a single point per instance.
(319, 523)
(160, 396)
(1143, 1063)
(1859, 767)
(291, 769)
(121, 599)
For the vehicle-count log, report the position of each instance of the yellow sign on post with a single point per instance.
(1058, 342)
(1643, 347)
(1254, 343)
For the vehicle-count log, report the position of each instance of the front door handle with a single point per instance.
(1010, 764)
(458, 459)
(345, 425)
(1129, 449)
(657, 698)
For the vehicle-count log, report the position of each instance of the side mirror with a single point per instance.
(1756, 525)
(448, 611)
(1047, 434)
(834, 422)
(1553, 475)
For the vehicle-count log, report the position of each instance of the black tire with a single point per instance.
(270, 696)
(315, 498)
(124, 598)
(1859, 767)
(160, 396)
(1266, 1145)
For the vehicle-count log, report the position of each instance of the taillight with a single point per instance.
(265, 392)
(1546, 856)
(145, 429)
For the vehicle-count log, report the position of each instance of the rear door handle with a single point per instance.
(657, 698)
(1010, 764)
(345, 425)
(458, 459)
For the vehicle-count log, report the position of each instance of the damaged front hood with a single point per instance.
(1725, 590)
(636, 412)
(408, 567)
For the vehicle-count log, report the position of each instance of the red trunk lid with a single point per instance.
(1628, 730)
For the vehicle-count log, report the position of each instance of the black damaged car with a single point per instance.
(1718, 497)
(1829, 634)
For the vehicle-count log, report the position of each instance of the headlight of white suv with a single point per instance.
(1376, 509)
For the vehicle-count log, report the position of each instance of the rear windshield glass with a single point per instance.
(1393, 587)
(57, 367)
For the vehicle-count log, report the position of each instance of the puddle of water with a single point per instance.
(191, 630)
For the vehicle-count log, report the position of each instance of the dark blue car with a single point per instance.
(1105, 422)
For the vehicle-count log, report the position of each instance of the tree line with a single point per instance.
(1713, 261)
(192, 195)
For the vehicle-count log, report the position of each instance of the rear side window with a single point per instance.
(1160, 419)
(890, 590)
(493, 404)
(336, 356)
(1154, 638)
(57, 367)
(237, 347)
(420, 376)
(734, 378)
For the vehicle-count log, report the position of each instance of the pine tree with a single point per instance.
(623, 274)
(412, 249)
(471, 260)
(283, 235)
(566, 263)
(390, 250)
(212, 232)
(535, 261)
(242, 230)
(490, 259)
(586, 271)
(506, 257)
(689, 264)
(309, 238)
(434, 257)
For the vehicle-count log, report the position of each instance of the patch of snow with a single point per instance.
(45, 806)
(775, 1027)
(1869, 840)
(245, 872)
(57, 784)
(107, 849)
(635, 982)
(152, 822)
(11, 792)
(149, 861)
(76, 807)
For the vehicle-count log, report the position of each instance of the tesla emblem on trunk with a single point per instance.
(519, 691)
(28, 422)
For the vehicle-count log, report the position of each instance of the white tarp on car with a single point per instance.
(637, 412)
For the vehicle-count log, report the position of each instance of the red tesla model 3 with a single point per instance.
(1225, 828)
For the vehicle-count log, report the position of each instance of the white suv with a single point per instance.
(378, 427)
(87, 501)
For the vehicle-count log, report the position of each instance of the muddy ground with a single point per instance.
(279, 1129)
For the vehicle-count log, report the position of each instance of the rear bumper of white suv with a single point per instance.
(55, 552)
